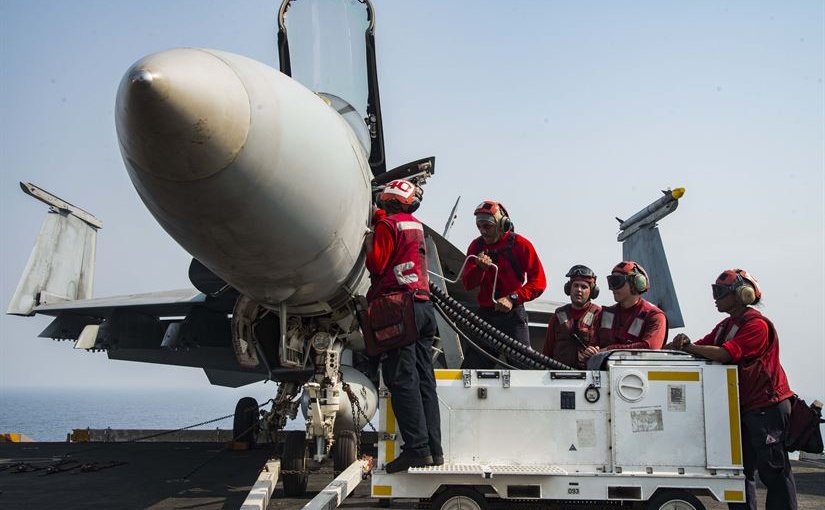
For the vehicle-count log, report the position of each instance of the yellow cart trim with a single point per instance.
(734, 495)
(673, 376)
(449, 375)
(382, 490)
(389, 445)
(733, 414)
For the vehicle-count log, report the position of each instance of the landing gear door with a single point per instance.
(329, 47)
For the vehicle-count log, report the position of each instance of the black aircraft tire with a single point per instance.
(245, 424)
(294, 459)
(346, 451)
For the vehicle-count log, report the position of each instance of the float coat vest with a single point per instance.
(611, 332)
(406, 270)
(566, 349)
(762, 381)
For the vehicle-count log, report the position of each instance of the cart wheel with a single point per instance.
(459, 498)
(346, 451)
(294, 459)
(674, 500)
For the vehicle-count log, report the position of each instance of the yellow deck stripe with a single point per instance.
(733, 414)
(672, 376)
(389, 452)
(734, 495)
(382, 490)
(452, 375)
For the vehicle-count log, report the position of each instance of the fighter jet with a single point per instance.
(266, 177)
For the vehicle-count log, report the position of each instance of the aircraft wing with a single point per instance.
(165, 303)
(183, 327)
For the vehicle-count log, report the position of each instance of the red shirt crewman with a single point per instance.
(749, 340)
(520, 278)
(573, 327)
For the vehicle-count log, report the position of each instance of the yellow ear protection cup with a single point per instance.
(506, 224)
(746, 295)
(638, 279)
(744, 292)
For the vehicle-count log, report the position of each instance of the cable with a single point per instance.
(466, 338)
(523, 356)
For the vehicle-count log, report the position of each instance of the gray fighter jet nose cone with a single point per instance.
(140, 76)
(182, 115)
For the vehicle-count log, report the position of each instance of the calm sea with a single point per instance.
(46, 414)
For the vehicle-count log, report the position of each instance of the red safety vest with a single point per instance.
(762, 381)
(611, 332)
(407, 267)
(566, 348)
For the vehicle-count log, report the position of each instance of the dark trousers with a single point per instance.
(763, 445)
(512, 323)
(408, 373)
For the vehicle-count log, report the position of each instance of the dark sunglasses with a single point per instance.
(616, 281)
(720, 291)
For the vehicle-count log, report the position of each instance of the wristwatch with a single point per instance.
(513, 298)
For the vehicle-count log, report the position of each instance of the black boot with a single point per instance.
(408, 460)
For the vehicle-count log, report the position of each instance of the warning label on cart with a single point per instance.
(676, 397)
(646, 420)
(586, 433)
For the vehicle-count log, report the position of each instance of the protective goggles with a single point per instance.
(720, 291)
(581, 272)
(616, 281)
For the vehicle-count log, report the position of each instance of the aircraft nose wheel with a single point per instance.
(345, 451)
(293, 463)
(246, 423)
(674, 500)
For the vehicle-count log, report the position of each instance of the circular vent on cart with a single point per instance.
(631, 387)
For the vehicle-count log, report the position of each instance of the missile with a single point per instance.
(257, 177)
(650, 214)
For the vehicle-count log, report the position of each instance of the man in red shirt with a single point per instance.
(749, 340)
(573, 326)
(397, 262)
(520, 278)
(632, 323)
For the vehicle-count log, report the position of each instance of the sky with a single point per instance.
(569, 113)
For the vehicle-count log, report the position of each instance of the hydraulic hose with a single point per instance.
(467, 339)
(518, 354)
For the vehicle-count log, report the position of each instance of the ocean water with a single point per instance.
(49, 414)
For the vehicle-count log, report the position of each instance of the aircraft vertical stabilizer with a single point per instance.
(61, 265)
(642, 243)
(645, 247)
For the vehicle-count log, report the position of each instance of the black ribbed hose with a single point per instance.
(520, 355)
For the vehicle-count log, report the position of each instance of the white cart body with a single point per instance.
(652, 420)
